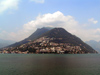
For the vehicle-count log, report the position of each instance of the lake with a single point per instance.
(49, 64)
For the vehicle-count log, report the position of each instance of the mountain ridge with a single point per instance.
(33, 36)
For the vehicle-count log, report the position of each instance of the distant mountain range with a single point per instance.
(48, 40)
(94, 44)
(4, 43)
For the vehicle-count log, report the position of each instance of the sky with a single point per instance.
(20, 18)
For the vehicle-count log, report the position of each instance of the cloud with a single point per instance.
(8, 4)
(57, 19)
(93, 21)
(38, 1)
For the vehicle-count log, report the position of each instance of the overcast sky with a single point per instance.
(20, 18)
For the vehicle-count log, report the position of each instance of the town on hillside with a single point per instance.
(44, 45)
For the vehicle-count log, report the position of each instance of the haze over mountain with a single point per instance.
(94, 44)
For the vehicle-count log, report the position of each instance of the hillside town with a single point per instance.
(44, 45)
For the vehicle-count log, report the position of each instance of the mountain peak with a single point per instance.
(48, 28)
(57, 33)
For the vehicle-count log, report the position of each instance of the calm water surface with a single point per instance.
(49, 64)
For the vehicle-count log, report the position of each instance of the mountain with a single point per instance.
(94, 44)
(67, 37)
(4, 43)
(56, 40)
(36, 34)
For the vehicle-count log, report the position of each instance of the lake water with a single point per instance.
(49, 64)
